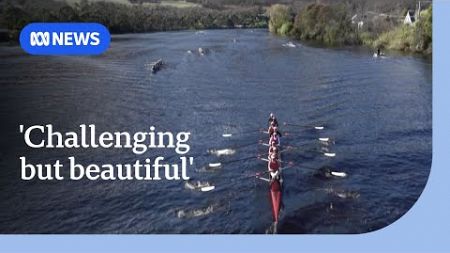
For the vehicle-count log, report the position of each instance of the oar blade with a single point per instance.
(338, 174)
(214, 165)
(207, 188)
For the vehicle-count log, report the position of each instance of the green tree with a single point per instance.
(280, 19)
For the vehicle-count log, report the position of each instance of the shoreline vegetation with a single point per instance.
(332, 23)
(133, 16)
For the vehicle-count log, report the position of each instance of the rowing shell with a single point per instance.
(275, 199)
(275, 196)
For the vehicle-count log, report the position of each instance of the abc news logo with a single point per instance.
(65, 39)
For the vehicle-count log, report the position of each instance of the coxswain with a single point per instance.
(272, 119)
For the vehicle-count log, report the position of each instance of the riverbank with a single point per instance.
(334, 25)
(128, 17)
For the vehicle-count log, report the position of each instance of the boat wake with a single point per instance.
(209, 169)
(186, 214)
(343, 194)
(199, 186)
(289, 44)
(273, 229)
(222, 152)
(329, 173)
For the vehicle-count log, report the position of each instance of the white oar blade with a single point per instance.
(222, 152)
(227, 135)
(215, 165)
(319, 127)
(338, 174)
(324, 139)
(207, 188)
(329, 154)
(263, 179)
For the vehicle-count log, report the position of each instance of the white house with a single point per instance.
(410, 18)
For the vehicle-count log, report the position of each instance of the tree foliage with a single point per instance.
(128, 18)
(330, 24)
(416, 38)
(280, 19)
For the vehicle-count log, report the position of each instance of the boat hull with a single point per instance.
(275, 199)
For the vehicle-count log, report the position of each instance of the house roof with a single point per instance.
(411, 15)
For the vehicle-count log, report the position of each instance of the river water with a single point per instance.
(376, 112)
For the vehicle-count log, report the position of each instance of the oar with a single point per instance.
(207, 188)
(290, 163)
(329, 170)
(198, 186)
(219, 164)
(257, 174)
(239, 160)
(305, 126)
(283, 150)
(263, 178)
(229, 135)
(338, 174)
(261, 142)
(333, 173)
(244, 145)
(284, 134)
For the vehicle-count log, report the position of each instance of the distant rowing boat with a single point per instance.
(156, 66)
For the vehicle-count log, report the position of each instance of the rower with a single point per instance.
(273, 149)
(271, 128)
(274, 139)
(277, 131)
(272, 119)
(273, 166)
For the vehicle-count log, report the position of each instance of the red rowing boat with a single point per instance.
(275, 199)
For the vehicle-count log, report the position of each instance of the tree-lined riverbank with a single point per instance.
(129, 18)
(335, 25)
